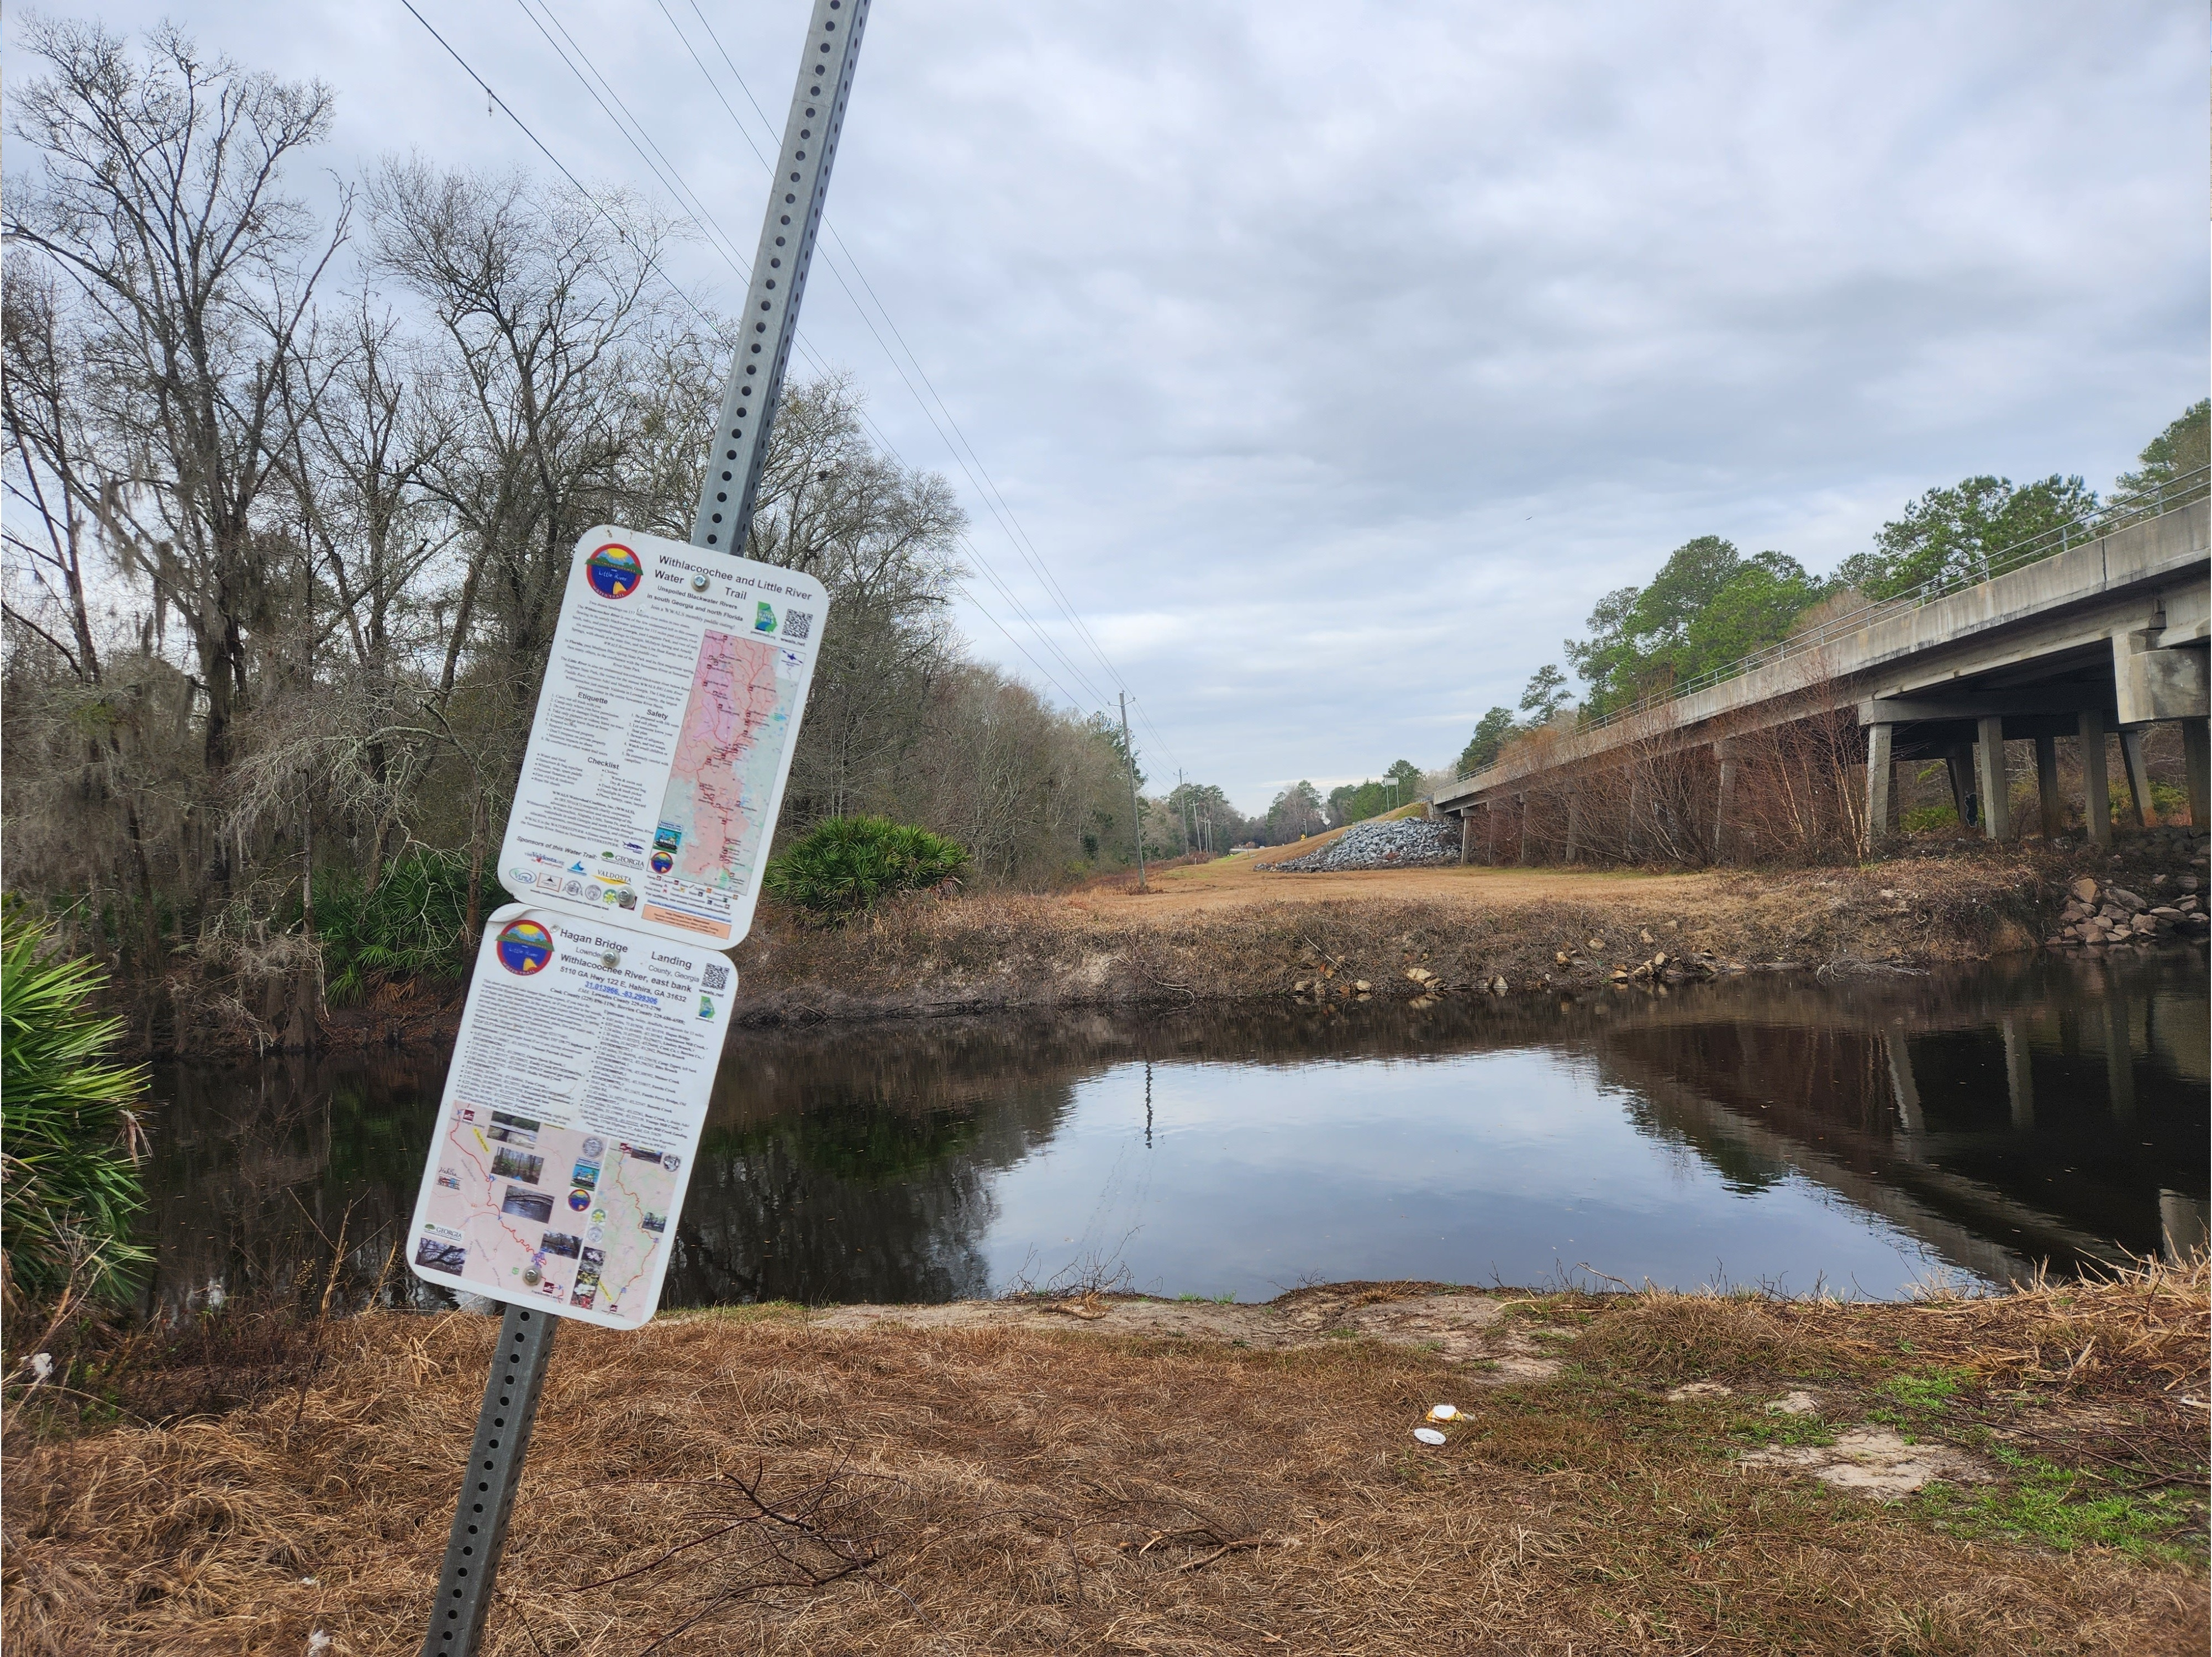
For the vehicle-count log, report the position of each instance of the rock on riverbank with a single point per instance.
(2111, 912)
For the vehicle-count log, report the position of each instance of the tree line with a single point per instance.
(292, 498)
(1709, 605)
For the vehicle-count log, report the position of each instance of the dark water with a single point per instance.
(1865, 1135)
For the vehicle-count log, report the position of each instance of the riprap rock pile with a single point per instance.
(1397, 843)
(2104, 912)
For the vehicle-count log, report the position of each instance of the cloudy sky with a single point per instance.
(1334, 358)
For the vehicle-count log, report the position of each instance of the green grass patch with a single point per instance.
(1927, 1390)
(1763, 1430)
(2059, 1508)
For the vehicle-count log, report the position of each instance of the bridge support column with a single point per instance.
(1574, 825)
(2096, 793)
(1880, 785)
(1522, 801)
(1995, 786)
(1958, 765)
(2047, 784)
(1635, 799)
(1725, 804)
(1490, 825)
(1466, 835)
(2197, 756)
(2139, 810)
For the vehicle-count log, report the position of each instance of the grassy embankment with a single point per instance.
(1231, 931)
(1128, 1476)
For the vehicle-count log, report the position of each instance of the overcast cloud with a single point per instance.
(1338, 357)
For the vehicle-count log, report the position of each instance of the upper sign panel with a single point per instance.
(663, 733)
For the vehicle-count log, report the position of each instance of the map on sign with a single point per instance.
(571, 1116)
(727, 753)
(663, 737)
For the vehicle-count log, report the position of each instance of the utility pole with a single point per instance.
(1182, 817)
(1136, 810)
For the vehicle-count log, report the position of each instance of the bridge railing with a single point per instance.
(2117, 515)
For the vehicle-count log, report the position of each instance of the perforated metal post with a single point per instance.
(510, 1408)
(798, 189)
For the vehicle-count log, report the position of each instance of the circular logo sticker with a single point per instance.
(580, 1200)
(614, 571)
(524, 947)
(662, 863)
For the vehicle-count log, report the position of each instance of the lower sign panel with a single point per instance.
(571, 1116)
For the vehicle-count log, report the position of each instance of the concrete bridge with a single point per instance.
(2109, 636)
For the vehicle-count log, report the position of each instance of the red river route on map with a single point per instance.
(734, 696)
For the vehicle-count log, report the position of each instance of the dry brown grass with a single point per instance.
(986, 1490)
(1223, 932)
(988, 951)
(2139, 1330)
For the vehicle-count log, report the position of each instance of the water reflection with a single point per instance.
(1771, 1128)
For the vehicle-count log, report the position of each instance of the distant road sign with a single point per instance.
(663, 737)
(571, 1116)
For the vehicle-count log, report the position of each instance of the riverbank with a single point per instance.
(1627, 1472)
(1232, 930)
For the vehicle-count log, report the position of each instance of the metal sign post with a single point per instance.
(510, 1407)
(799, 186)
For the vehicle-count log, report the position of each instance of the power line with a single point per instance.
(987, 487)
(743, 270)
(634, 133)
(985, 494)
(957, 441)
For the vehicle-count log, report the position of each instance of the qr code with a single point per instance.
(798, 624)
(715, 975)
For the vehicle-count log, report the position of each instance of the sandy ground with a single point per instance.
(1461, 1329)
(1241, 882)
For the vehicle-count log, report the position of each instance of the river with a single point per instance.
(1864, 1136)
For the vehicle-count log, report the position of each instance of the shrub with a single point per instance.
(414, 924)
(70, 1164)
(847, 866)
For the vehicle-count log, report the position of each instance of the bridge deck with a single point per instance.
(2116, 627)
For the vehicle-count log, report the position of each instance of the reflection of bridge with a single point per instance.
(1866, 1099)
(2108, 636)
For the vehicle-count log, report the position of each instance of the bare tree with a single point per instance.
(161, 200)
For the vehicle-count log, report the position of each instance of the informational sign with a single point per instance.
(657, 760)
(571, 1115)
